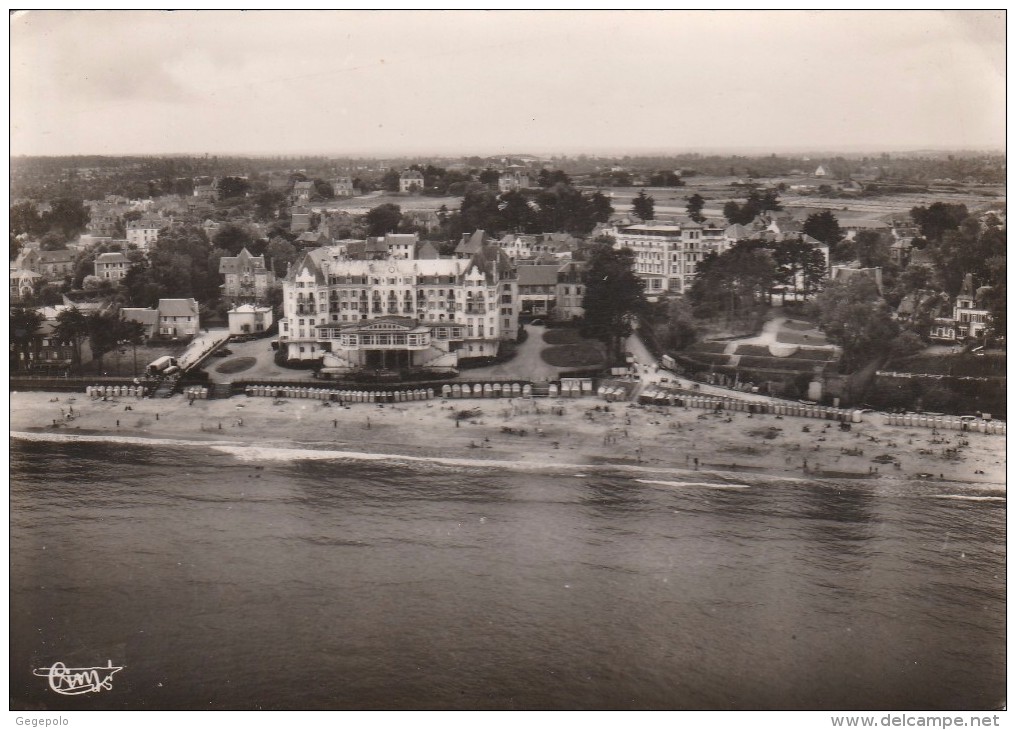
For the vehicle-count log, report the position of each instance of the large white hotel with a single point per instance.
(396, 310)
(666, 255)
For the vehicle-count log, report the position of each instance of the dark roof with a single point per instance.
(144, 316)
(376, 245)
(56, 257)
(538, 274)
(471, 243)
(426, 250)
(234, 264)
(178, 308)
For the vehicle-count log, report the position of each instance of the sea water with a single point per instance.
(227, 577)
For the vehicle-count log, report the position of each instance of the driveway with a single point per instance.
(526, 364)
(650, 372)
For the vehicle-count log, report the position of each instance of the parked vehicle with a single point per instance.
(162, 364)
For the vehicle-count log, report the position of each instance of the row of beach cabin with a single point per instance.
(116, 391)
(945, 423)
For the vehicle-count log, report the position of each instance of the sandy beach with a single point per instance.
(565, 432)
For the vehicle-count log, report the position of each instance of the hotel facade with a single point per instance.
(395, 311)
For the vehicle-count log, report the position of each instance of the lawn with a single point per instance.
(562, 337)
(236, 365)
(716, 348)
(576, 355)
(809, 337)
(965, 364)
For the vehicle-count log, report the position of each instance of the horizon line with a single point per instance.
(632, 152)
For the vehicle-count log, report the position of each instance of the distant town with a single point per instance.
(843, 281)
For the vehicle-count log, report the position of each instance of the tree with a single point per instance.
(54, 240)
(995, 298)
(103, 334)
(269, 204)
(643, 206)
(872, 249)
(72, 327)
(855, 317)
(24, 323)
(695, 204)
(130, 332)
(232, 187)
(281, 254)
(25, 218)
(666, 179)
(233, 239)
(734, 215)
(390, 181)
(67, 217)
(322, 190)
(490, 177)
(906, 343)
(548, 179)
(614, 297)
(681, 331)
(967, 250)
(938, 218)
(383, 219)
(181, 262)
(823, 227)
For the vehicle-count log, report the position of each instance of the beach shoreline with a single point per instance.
(582, 433)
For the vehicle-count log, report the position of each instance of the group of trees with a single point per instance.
(104, 331)
(559, 208)
(854, 316)
(65, 220)
(735, 283)
(738, 282)
(755, 204)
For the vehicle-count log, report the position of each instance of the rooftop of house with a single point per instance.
(249, 309)
(652, 229)
(114, 257)
(24, 274)
(138, 314)
(234, 264)
(178, 308)
(471, 243)
(145, 224)
(538, 274)
(56, 257)
(426, 250)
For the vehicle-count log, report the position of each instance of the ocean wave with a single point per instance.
(706, 485)
(969, 497)
(256, 452)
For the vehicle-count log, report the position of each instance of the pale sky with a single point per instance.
(492, 82)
